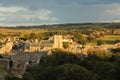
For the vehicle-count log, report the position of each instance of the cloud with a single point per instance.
(114, 10)
(58, 11)
(2, 18)
(12, 9)
(54, 19)
(111, 12)
(22, 14)
(36, 3)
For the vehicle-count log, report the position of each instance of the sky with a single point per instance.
(37, 12)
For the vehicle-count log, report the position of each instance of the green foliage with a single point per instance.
(32, 36)
(3, 71)
(73, 72)
(117, 41)
(1, 56)
(12, 78)
(115, 60)
(91, 38)
(103, 68)
(110, 39)
(42, 73)
(62, 72)
(27, 76)
(106, 70)
(101, 54)
(116, 50)
(60, 57)
(100, 42)
(66, 45)
(61, 65)
(79, 38)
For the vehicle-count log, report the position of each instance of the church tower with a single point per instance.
(58, 41)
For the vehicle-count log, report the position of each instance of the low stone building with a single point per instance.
(34, 47)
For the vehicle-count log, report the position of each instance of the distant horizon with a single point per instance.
(53, 24)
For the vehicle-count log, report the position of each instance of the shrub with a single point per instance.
(101, 54)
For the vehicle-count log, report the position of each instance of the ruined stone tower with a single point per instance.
(58, 41)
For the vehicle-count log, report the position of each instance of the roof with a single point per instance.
(36, 44)
(43, 43)
(46, 43)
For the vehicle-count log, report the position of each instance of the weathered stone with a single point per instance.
(2, 76)
(4, 63)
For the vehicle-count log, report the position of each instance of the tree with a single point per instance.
(91, 38)
(106, 70)
(116, 50)
(80, 38)
(100, 42)
(73, 72)
(61, 72)
(102, 54)
(32, 36)
(65, 45)
(1, 56)
(60, 57)
(117, 41)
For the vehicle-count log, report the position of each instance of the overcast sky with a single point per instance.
(30, 12)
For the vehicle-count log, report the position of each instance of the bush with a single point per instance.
(65, 45)
(73, 72)
(116, 50)
(60, 57)
(117, 41)
(106, 70)
(101, 54)
(100, 42)
(62, 72)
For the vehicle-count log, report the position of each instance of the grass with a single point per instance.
(8, 31)
(110, 39)
(91, 43)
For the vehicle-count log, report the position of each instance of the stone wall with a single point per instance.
(20, 62)
(2, 76)
(4, 63)
(7, 48)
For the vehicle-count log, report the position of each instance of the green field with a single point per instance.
(110, 39)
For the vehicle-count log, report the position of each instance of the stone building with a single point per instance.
(34, 47)
(58, 41)
(46, 45)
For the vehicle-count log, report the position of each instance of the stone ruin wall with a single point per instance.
(20, 62)
(7, 48)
